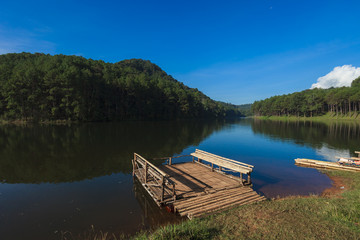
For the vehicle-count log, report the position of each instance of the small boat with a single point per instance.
(353, 162)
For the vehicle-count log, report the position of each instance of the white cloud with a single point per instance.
(340, 76)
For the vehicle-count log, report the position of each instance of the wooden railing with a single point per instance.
(156, 182)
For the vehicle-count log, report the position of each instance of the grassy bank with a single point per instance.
(326, 117)
(315, 217)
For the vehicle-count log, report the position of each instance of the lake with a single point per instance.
(66, 179)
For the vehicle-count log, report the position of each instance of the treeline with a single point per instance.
(312, 102)
(42, 87)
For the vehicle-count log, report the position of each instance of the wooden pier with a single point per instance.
(324, 164)
(197, 188)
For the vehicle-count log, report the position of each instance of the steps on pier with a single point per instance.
(209, 203)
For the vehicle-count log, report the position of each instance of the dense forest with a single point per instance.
(312, 102)
(245, 109)
(41, 87)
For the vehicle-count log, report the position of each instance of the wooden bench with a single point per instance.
(358, 153)
(224, 164)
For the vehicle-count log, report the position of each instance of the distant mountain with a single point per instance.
(245, 109)
(42, 87)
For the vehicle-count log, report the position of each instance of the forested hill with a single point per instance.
(43, 87)
(312, 102)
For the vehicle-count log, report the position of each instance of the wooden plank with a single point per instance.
(214, 204)
(205, 198)
(215, 192)
(226, 159)
(215, 201)
(226, 207)
(219, 162)
(221, 159)
(152, 165)
(222, 173)
(213, 207)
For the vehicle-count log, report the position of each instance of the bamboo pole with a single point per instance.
(174, 193)
(146, 172)
(162, 189)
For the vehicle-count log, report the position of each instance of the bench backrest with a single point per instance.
(223, 162)
(358, 153)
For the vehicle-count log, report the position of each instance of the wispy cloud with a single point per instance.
(20, 40)
(339, 77)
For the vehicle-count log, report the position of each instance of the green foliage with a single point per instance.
(194, 230)
(314, 102)
(245, 109)
(41, 87)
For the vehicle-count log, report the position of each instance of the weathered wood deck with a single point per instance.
(195, 189)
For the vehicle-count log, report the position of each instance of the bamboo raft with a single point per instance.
(324, 165)
(197, 188)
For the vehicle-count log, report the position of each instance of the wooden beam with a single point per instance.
(223, 158)
(162, 189)
(222, 163)
(146, 172)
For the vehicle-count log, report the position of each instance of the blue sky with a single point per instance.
(233, 51)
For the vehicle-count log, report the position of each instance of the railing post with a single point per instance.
(146, 171)
(241, 179)
(212, 167)
(174, 193)
(170, 159)
(134, 164)
(162, 188)
(249, 178)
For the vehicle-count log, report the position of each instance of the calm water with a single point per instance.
(59, 179)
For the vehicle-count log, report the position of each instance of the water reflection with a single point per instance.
(36, 154)
(330, 139)
(67, 178)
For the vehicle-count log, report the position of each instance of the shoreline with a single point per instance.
(338, 186)
(324, 118)
(322, 216)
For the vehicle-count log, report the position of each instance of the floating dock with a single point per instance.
(324, 165)
(197, 188)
